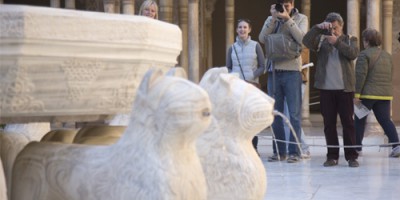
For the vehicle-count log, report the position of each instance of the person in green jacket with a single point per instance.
(335, 79)
(374, 69)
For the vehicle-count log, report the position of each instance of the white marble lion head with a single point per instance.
(236, 103)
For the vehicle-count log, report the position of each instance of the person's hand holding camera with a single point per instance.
(325, 26)
(273, 12)
(280, 11)
(327, 31)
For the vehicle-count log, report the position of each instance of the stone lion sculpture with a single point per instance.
(232, 167)
(155, 158)
(3, 189)
(13, 139)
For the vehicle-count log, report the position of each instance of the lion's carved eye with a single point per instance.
(206, 112)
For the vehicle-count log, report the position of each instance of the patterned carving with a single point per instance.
(18, 89)
(11, 25)
(80, 63)
(81, 75)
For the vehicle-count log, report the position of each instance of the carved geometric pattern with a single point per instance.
(80, 77)
(121, 96)
(18, 87)
(11, 25)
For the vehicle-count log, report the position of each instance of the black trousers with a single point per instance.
(334, 102)
(255, 142)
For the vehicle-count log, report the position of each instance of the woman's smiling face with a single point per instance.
(243, 30)
(150, 11)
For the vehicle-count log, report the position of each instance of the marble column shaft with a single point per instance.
(55, 3)
(373, 14)
(353, 18)
(305, 114)
(229, 21)
(210, 6)
(194, 40)
(70, 4)
(109, 6)
(128, 7)
(183, 16)
(165, 10)
(387, 25)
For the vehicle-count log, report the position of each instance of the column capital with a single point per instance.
(387, 8)
(210, 7)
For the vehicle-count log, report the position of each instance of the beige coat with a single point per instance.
(295, 27)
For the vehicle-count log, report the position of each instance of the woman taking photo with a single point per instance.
(374, 87)
(246, 58)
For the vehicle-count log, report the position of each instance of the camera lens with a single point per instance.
(279, 7)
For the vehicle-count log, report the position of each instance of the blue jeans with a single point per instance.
(304, 145)
(287, 85)
(381, 110)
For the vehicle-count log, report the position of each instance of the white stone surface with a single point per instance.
(69, 65)
(378, 176)
(3, 189)
(156, 157)
(232, 167)
(123, 119)
(13, 139)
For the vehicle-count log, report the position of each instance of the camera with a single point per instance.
(327, 31)
(279, 7)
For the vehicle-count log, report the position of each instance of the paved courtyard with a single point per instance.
(378, 176)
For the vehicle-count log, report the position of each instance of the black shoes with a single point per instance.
(330, 163)
(333, 162)
(353, 163)
(275, 158)
(293, 159)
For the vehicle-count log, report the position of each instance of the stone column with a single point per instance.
(70, 4)
(229, 21)
(128, 7)
(109, 6)
(305, 114)
(387, 25)
(353, 18)
(183, 20)
(210, 5)
(166, 10)
(117, 6)
(373, 21)
(396, 62)
(194, 40)
(373, 14)
(55, 3)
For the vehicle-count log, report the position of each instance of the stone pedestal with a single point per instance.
(68, 65)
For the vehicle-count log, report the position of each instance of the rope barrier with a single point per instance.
(287, 121)
(335, 146)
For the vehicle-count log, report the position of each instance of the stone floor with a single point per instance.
(378, 176)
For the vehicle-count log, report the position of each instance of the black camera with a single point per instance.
(327, 31)
(279, 7)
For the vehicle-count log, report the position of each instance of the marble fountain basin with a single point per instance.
(69, 65)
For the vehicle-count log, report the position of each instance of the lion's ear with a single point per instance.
(226, 79)
(148, 80)
(177, 72)
(212, 75)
